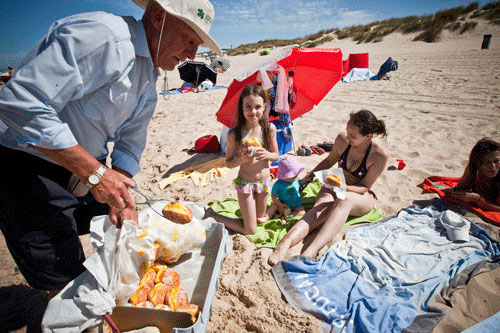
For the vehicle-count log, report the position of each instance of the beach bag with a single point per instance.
(388, 66)
(207, 144)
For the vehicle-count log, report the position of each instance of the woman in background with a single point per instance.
(480, 183)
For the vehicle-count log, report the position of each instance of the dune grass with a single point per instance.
(428, 28)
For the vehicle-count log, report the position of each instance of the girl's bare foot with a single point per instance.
(262, 219)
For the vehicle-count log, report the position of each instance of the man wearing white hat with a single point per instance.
(90, 81)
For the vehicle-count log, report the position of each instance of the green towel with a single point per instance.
(271, 233)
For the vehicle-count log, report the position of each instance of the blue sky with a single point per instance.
(23, 22)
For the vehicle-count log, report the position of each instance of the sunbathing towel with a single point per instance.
(384, 275)
(201, 175)
(271, 233)
(438, 184)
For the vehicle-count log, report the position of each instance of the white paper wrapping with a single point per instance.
(114, 270)
(339, 191)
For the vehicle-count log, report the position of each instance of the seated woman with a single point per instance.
(480, 183)
(362, 161)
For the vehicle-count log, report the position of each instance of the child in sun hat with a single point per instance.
(285, 193)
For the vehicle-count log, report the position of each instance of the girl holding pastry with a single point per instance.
(362, 161)
(251, 145)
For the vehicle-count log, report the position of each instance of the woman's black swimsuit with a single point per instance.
(362, 170)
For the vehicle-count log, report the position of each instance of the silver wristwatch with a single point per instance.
(95, 177)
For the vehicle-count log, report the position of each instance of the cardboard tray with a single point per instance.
(199, 271)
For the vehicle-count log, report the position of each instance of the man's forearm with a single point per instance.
(75, 159)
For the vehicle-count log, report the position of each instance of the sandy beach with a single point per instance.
(443, 98)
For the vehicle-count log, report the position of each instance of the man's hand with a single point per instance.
(114, 184)
(117, 216)
(113, 190)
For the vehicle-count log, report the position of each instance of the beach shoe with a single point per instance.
(317, 150)
(302, 151)
(307, 150)
(327, 145)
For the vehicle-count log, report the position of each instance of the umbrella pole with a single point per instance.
(293, 140)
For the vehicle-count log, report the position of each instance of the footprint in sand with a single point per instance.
(417, 173)
(414, 154)
(426, 133)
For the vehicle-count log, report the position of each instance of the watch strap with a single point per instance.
(99, 172)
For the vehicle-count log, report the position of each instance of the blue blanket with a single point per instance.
(384, 274)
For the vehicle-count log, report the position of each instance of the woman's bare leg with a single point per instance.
(309, 221)
(355, 204)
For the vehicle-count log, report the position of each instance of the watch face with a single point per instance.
(94, 179)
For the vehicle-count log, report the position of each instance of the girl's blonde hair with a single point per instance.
(255, 90)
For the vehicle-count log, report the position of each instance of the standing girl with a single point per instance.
(254, 177)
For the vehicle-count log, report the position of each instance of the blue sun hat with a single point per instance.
(289, 167)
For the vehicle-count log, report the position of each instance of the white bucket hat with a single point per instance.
(198, 14)
(457, 227)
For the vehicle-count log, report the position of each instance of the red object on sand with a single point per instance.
(207, 144)
(401, 164)
(316, 71)
(437, 184)
(355, 60)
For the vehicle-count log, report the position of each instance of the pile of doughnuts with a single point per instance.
(160, 289)
(177, 212)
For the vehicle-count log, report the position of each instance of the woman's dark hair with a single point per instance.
(368, 123)
(478, 152)
(256, 90)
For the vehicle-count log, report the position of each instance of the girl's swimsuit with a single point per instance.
(361, 171)
(249, 187)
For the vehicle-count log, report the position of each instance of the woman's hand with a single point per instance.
(463, 195)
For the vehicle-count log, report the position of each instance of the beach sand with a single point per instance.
(443, 98)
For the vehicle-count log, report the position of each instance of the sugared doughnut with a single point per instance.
(168, 277)
(140, 295)
(192, 309)
(157, 294)
(177, 212)
(333, 180)
(176, 297)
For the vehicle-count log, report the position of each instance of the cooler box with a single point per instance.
(199, 271)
